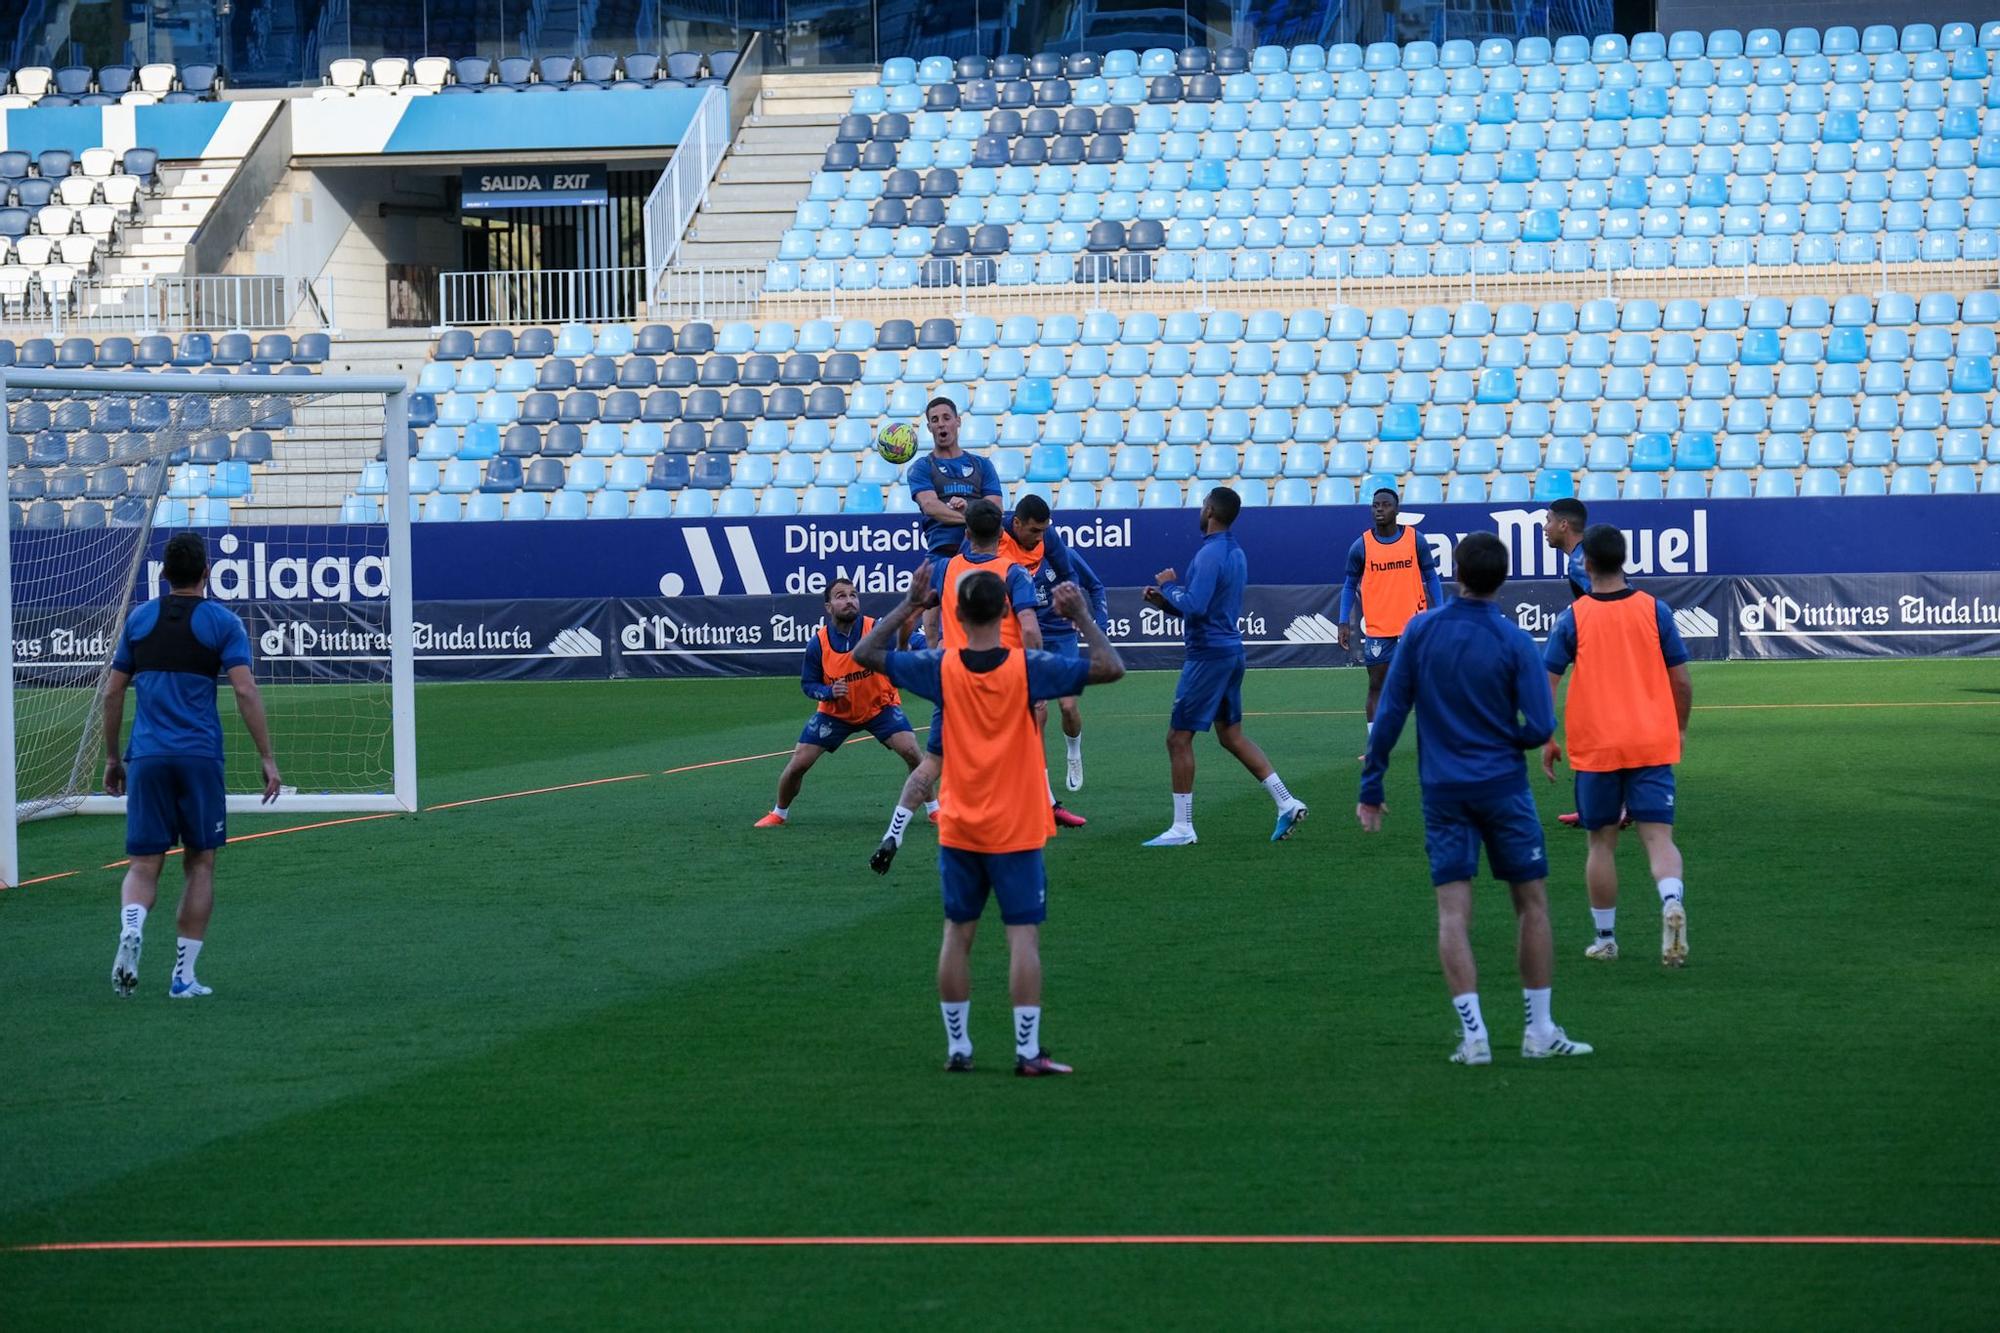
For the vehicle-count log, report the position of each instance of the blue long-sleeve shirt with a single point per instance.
(1211, 598)
(1357, 563)
(1062, 564)
(1577, 573)
(1481, 696)
(812, 672)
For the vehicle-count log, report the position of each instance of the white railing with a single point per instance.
(684, 184)
(158, 304)
(542, 296)
(1109, 282)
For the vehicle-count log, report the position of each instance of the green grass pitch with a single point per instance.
(621, 1011)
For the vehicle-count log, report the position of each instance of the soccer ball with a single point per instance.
(897, 442)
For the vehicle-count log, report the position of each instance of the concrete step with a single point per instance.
(162, 233)
(794, 169)
(740, 228)
(737, 197)
(769, 121)
(179, 209)
(765, 137)
(724, 254)
(140, 266)
(143, 249)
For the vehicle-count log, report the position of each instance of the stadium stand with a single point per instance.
(1723, 398)
(395, 76)
(73, 462)
(112, 85)
(1418, 160)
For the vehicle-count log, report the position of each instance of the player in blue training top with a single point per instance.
(1481, 698)
(1210, 692)
(994, 822)
(944, 483)
(170, 652)
(1036, 547)
(1390, 578)
(851, 698)
(1563, 530)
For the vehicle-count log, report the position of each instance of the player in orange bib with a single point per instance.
(1628, 713)
(1018, 629)
(851, 698)
(1390, 578)
(995, 815)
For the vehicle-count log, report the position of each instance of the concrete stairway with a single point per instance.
(168, 218)
(768, 169)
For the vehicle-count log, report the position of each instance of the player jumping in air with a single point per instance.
(851, 698)
(1480, 699)
(171, 651)
(1627, 720)
(994, 821)
(1390, 577)
(943, 484)
(1210, 692)
(1018, 629)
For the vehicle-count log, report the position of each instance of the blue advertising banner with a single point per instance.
(1783, 578)
(532, 186)
(765, 556)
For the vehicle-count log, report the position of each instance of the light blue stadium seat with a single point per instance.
(1910, 481)
(1161, 494)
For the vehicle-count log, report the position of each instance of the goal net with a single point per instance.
(297, 483)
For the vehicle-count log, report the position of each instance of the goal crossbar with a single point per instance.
(394, 393)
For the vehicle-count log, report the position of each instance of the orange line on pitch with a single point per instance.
(722, 763)
(697, 1242)
(535, 791)
(268, 833)
(44, 879)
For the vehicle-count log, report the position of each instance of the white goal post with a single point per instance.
(300, 484)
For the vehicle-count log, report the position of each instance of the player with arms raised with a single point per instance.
(995, 818)
(170, 652)
(1018, 629)
(1033, 545)
(851, 698)
(944, 484)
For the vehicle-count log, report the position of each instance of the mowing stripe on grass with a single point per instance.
(895, 1242)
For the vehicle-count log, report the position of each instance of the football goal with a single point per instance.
(299, 485)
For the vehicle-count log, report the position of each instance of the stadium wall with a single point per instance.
(1889, 577)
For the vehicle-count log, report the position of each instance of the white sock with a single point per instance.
(1183, 809)
(1607, 921)
(1049, 783)
(782, 811)
(1536, 1003)
(132, 920)
(897, 823)
(1370, 726)
(1074, 745)
(185, 952)
(957, 1026)
(1670, 888)
(930, 807)
(1276, 786)
(1028, 1030)
(1467, 1006)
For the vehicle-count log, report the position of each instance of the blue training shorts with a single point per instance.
(1063, 645)
(1210, 691)
(1017, 879)
(1378, 652)
(173, 799)
(1504, 822)
(1646, 794)
(829, 732)
(935, 741)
